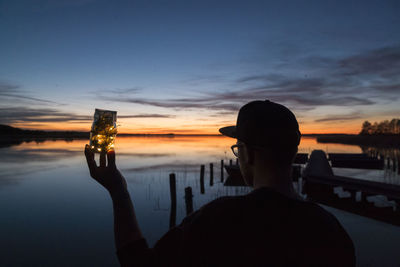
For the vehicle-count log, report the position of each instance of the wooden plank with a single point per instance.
(358, 163)
(367, 187)
(348, 156)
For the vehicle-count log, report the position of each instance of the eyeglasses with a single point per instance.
(235, 149)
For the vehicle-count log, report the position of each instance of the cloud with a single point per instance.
(384, 62)
(13, 91)
(346, 117)
(146, 116)
(220, 114)
(23, 114)
(304, 93)
(179, 104)
(119, 91)
(357, 81)
(7, 87)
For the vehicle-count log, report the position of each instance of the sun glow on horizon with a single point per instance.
(210, 128)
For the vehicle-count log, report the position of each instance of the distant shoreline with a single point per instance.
(11, 135)
(13, 132)
(384, 141)
(15, 136)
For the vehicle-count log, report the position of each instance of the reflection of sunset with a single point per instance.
(308, 144)
(174, 146)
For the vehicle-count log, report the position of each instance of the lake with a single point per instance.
(54, 214)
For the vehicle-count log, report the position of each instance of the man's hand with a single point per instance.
(106, 174)
(126, 228)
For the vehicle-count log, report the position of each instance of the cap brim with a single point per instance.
(228, 131)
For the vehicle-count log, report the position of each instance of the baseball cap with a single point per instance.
(265, 124)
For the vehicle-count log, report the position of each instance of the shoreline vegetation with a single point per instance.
(383, 134)
(12, 132)
(381, 140)
(13, 136)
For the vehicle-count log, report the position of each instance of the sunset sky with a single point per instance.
(188, 66)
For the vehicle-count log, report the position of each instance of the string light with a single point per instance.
(102, 135)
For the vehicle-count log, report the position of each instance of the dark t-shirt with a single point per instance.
(263, 228)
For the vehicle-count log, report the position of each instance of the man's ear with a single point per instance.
(249, 154)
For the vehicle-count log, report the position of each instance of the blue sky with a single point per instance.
(189, 65)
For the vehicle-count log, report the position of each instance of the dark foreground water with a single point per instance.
(53, 214)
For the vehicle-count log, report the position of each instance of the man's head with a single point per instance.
(267, 133)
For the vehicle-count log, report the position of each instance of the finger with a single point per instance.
(102, 159)
(90, 159)
(111, 159)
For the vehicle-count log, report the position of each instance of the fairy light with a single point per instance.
(102, 135)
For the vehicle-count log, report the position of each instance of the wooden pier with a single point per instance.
(318, 170)
(356, 161)
(320, 182)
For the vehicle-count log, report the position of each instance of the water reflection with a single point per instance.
(52, 209)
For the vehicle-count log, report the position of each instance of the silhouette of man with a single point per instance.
(271, 226)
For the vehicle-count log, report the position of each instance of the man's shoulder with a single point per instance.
(313, 214)
(266, 200)
(265, 204)
(216, 209)
(267, 220)
(315, 223)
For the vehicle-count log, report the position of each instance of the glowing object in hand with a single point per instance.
(104, 130)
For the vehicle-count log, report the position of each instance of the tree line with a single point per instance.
(383, 127)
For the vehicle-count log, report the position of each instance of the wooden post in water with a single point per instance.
(398, 206)
(188, 200)
(363, 197)
(202, 179)
(230, 162)
(172, 189)
(222, 170)
(211, 174)
(398, 166)
(237, 162)
(353, 194)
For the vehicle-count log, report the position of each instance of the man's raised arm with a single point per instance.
(126, 229)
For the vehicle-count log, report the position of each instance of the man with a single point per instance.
(271, 226)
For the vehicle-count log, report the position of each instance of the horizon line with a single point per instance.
(164, 134)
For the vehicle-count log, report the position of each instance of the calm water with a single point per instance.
(54, 214)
